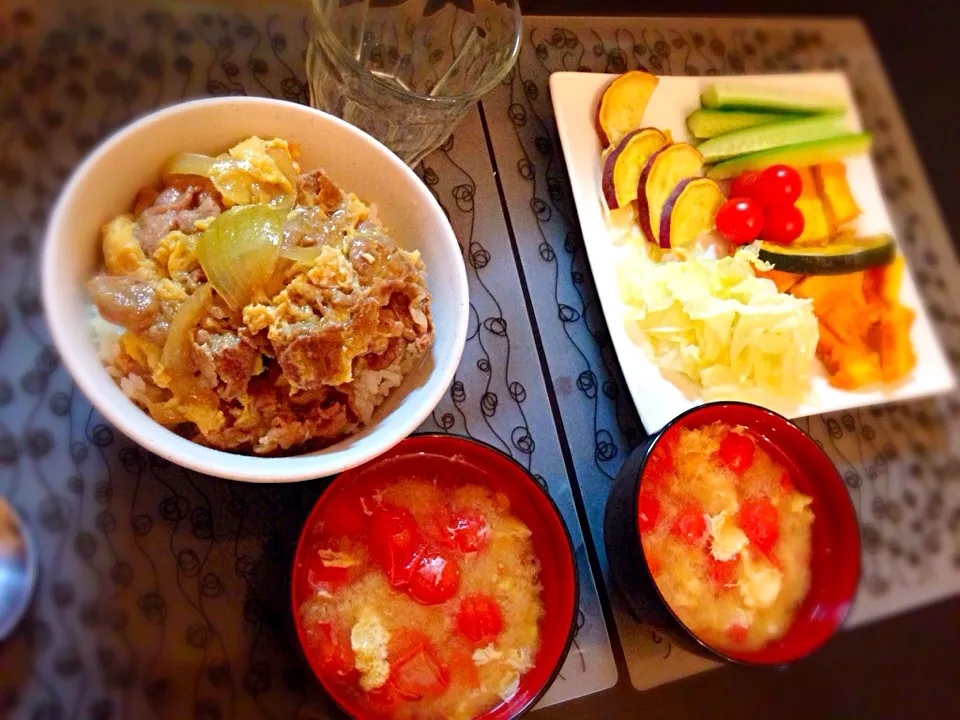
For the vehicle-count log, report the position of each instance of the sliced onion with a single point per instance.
(285, 163)
(175, 356)
(239, 250)
(191, 164)
(305, 255)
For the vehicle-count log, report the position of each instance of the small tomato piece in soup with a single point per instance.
(785, 482)
(435, 579)
(332, 649)
(344, 516)
(760, 522)
(722, 573)
(660, 463)
(415, 671)
(737, 452)
(737, 633)
(689, 525)
(479, 618)
(463, 670)
(468, 530)
(648, 511)
(394, 541)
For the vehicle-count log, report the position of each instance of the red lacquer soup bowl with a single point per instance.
(457, 461)
(835, 536)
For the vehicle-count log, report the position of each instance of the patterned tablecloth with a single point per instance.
(163, 592)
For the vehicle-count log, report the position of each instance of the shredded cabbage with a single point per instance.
(718, 324)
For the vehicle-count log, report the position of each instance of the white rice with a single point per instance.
(106, 337)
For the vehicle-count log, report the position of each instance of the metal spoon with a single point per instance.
(18, 569)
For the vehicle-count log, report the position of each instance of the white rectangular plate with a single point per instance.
(658, 399)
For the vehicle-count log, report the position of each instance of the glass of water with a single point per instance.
(407, 71)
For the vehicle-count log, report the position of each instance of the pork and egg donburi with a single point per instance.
(254, 307)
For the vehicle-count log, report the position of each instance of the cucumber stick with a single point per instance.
(798, 155)
(766, 137)
(740, 96)
(705, 124)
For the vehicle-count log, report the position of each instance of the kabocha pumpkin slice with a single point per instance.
(892, 339)
(662, 173)
(623, 164)
(816, 229)
(838, 201)
(689, 211)
(622, 105)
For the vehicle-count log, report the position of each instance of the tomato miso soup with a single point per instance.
(423, 597)
(725, 534)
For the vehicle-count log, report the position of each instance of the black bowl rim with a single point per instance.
(719, 654)
(571, 632)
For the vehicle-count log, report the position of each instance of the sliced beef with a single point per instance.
(125, 301)
(315, 188)
(313, 357)
(178, 207)
(226, 358)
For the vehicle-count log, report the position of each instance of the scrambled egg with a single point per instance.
(369, 640)
(121, 252)
(336, 559)
(260, 161)
(761, 582)
(726, 539)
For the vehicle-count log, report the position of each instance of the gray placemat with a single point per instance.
(164, 592)
(899, 461)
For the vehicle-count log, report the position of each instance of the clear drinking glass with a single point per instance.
(407, 71)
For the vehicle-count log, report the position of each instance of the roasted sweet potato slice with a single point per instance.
(623, 164)
(663, 171)
(622, 105)
(838, 201)
(689, 211)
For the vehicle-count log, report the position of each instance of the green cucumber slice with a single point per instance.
(756, 139)
(740, 96)
(798, 155)
(837, 258)
(705, 124)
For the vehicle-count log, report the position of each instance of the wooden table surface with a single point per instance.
(905, 667)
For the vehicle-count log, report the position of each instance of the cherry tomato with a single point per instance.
(415, 671)
(689, 524)
(722, 573)
(760, 522)
(659, 464)
(737, 633)
(745, 185)
(782, 224)
(435, 579)
(736, 452)
(740, 220)
(395, 542)
(778, 186)
(332, 649)
(648, 511)
(479, 618)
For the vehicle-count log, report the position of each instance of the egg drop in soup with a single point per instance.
(422, 598)
(726, 535)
